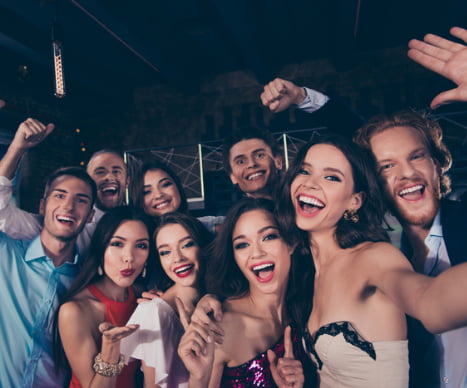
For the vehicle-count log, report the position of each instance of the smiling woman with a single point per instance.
(179, 241)
(91, 320)
(249, 270)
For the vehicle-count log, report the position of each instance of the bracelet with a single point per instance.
(106, 369)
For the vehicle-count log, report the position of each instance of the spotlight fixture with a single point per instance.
(57, 48)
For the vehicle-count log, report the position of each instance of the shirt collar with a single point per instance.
(35, 251)
(436, 229)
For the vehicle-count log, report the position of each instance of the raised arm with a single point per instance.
(438, 302)
(15, 222)
(280, 94)
(30, 133)
(446, 58)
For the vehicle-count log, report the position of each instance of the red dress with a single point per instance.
(117, 313)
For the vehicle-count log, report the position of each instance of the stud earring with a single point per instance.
(351, 215)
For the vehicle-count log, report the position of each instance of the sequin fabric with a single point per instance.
(256, 372)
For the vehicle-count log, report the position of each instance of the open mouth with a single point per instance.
(109, 191)
(255, 175)
(65, 220)
(264, 272)
(413, 192)
(309, 204)
(162, 205)
(184, 270)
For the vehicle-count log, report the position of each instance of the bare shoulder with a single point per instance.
(382, 255)
(78, 310)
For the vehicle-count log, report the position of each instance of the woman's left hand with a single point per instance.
(112, 334)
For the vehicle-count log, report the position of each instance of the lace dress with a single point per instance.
(345, 359)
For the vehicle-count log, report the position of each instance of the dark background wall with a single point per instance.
(161, 115)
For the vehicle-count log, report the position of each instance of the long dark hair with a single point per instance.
(348, 234)
(88, 273)
(197, 231)
(225, 279)
(137, 184)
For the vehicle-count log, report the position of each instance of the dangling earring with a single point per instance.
(351, 215)
(100, 271)
(143, 274)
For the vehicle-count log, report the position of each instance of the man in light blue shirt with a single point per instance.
(35, 274)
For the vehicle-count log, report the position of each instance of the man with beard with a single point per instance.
(106, 168)
(412, 162)
(35, 274)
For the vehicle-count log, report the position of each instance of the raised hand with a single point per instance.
(196, 348)
(112, 334)
(280, 94)
(147, 296)
(286, 371)
(208, 314)
(446, 58)
(30, 133)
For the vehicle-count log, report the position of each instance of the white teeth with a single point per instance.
(260, 267)
(253, 176)
(163, 204)
(184, 268)
(310, 201)
(65, 219)
(411, 189)
(109, 190)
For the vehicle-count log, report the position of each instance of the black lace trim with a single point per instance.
(350, 335)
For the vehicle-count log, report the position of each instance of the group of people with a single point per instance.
(298, 287)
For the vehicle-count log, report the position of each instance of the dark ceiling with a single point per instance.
(113, 46)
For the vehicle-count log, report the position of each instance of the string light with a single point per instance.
(57, 48)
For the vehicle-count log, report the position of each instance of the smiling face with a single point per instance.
(109, 172)
(178, 253)
(254, 167)
(126, 253)
(409, 174)
(66, 209)
(160, 193)
(260, 252)
(323, 189)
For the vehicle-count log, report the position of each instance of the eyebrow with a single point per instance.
(253, 152)
(262, 230)
(179, 241)
(66, 192)
(123, 238)
(328, 169)
(160, 181)
(105, 168)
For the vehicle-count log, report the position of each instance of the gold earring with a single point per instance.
(351, 215)
(100, 271)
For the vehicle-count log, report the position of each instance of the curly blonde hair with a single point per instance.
(429, 130)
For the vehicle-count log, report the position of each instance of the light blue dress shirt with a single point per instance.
(30, 287)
